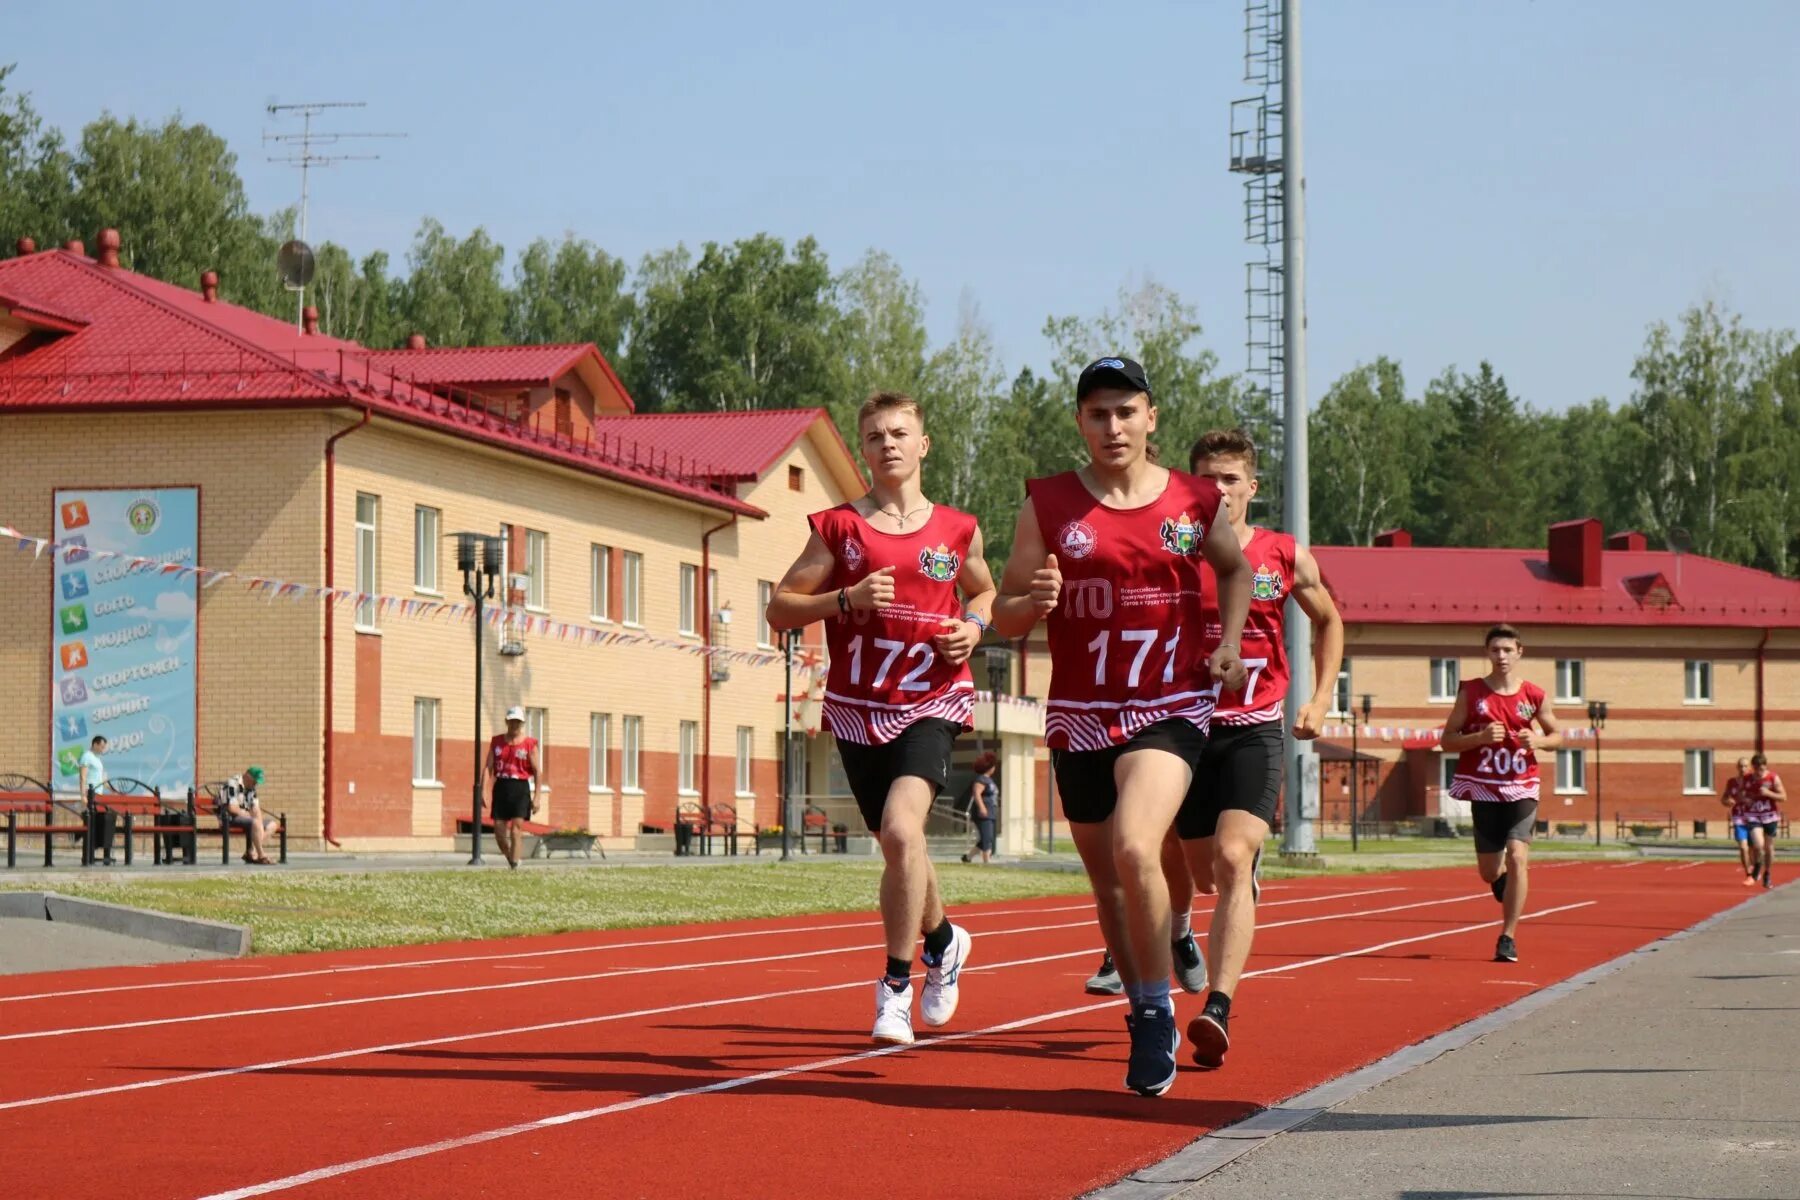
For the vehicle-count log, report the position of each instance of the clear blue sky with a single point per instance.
(1532, 183)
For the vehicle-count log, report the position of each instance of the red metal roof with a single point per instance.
(1435, 585)
(145, 344)
(475, 366)
(738, 445)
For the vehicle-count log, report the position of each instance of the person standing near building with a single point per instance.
(984, 806)
(1231, 803)
(512, 765)
(1490, 730)
(91, 771)
(1764, 796)
(884, 573)
(1732, 799)
(1109, 557)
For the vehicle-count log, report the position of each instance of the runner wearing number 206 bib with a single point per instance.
(1490, 731)
(1110, 557)
(883, 573)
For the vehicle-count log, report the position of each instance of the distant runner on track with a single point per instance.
(1733, 799)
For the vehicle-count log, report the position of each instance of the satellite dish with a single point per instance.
(295, 263)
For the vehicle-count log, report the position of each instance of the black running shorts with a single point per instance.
(512, 799)
(1085, 779)
(1498, 822)
(1240, 768)
(921, 750)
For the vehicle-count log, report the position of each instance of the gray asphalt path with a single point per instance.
(28, 945)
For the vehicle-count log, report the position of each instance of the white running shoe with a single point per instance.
(942, 982)
(893, 1014)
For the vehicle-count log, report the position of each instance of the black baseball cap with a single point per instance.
(1113, 372)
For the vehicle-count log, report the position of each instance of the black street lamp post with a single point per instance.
(788, 638)
(1368, 705)
(999, 668)
(478, 558)
(1597, 722)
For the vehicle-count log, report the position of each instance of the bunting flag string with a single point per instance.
(271, 590)
(1431, 733)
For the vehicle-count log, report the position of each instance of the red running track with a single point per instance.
(734, 1059)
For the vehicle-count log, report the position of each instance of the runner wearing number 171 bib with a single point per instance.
(1490, 730)
(1109, 556)
(883, 573)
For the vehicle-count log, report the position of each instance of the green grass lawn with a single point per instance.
(305, 910)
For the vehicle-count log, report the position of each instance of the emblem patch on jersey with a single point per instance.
(1181, 535)
(851, 554)
(1481, 707)
(941, 564)
(1077, 539)
(1526, 710)
(1266, 584)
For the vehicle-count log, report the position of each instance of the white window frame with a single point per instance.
(600, 583)
(765, 596)
(631, 749)
(709, 606)
(537, 558)
(1452, 667)
(746, 755)
(426, 523)
(537, 725)
(631, 611)
(1446, 768)
(689, 583)
(1697, 681)
(599, 747)
(426, 725)
(1571, 680)
(368, 560)
(687, 759)
(1697, 772)
(1343, 698)
(1571, 772)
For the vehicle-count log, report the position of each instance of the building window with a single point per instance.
(1340, 695)
(425, 742)
(796, 479)
(1571, 770)
(711, 606)
(1445, 675)
(537, 552)
(690, 576)
(689, 758)
(425, 549)
(537, 725)
(629, 752)
(1446, 770)
(633, 582)
(600, 583)
(368, 573)
(1571, 679)
(746, 746)
(1697, 674)
(765, 594)
(599, 743)
(1696, 771)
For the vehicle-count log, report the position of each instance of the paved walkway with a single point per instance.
(1676, 1077)
(28, 945)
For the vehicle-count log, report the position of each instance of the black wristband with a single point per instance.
(843, 600)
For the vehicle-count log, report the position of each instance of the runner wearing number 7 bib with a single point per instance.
(1109, 556)
(1490, 731)
(883, 573)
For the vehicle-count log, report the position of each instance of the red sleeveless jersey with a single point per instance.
(1126, 637)
(1271, 558)
(511, 760)
(1507, 771)
(1759, 806)
(885, 670)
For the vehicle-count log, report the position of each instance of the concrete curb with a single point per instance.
(1171, 1178)
(192, 933)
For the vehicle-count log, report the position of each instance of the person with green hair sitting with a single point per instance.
(239, 809)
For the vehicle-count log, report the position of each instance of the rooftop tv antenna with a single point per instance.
(295, 262)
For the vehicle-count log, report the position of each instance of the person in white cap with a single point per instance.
(512, 762)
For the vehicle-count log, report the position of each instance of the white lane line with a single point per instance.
(338, 1170)
(357, 968)
(615, 973)
(1685, 866)
(578, 1022)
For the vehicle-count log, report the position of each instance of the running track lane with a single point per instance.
(721, 1094)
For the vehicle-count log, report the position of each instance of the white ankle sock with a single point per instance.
(1181, 924)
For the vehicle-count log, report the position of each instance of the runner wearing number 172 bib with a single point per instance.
(1490, 731)
(1109, 556)
(883, 573)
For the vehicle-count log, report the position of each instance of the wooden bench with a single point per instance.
(205, 802)
(21, 797)
(1661, 823)
(134, 807)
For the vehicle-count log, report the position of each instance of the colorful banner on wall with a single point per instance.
(123, 638)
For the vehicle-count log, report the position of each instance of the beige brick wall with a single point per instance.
(261, 492)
